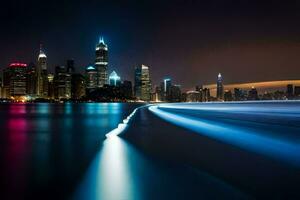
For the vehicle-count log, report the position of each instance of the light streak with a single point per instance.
(244, 138)
(122, 126)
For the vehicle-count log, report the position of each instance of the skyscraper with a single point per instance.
(101, 62)
(78, 86)
(18, 79)
(31, 79)
(220, 88)
(91, 78)
(167, 89)
(62, 83)
(114, 79)
(42, 76)
(142, 83)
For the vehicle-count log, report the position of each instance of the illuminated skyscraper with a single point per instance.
(114, 79)
(101, 63)
(42, 76)
(31, 80)
(142, 84)
(220, 88)
(167, 89)
(18, 79)
(91, 78)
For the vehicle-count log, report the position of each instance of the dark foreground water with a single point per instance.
(45, 149)
(59, 151)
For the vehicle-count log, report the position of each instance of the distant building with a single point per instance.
(114, 79)
(51, 86)
(42, 75)
(78, 86)
(253, 94)
(175, 94)
(220, 88)
(126, 89)
(193, 96)
(167, 89)
(18, 79)
(31, 80)
(297, 90)
(289, 90)
(62, 83)
(101, 63)
(142, 83)
(6, 77)
(261, 87)
(91, 78)
(228, 95)
(205, 94)
(240, 95)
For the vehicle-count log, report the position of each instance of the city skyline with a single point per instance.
(241, 40)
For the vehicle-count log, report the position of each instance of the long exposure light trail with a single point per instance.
(244, 138)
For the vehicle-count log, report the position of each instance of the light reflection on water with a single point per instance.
(109, 176)
(49, 145)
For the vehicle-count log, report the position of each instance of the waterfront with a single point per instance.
(46, 148)
(225, 151)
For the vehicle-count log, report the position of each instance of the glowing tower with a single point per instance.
(101, 63)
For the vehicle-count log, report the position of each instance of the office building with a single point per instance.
(220, 89)
(50, 86)
(126, 89)
(18, 79)
(114, 79)
(62, 83)
(90, 78)
(228, 95)
(253, 94)
(167, 89)
(31, 80)
(142, 83)
(78, 86)
(101, 63)
(42, 75)
(289, 90)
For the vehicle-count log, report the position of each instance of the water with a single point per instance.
(46, 148)
(59, 151)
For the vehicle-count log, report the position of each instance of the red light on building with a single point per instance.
(18, 65)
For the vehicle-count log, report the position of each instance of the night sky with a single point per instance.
(189, 41)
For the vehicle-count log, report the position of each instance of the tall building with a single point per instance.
(90, 78)
(297, 91)
(31, 80)
(6, 76)
(42, 75)
(167, 89)
(78, 86)
(290, 90)
(50, 86)
(228, 95)
(142, 83)
(101, 63)
(114, 79)
(62, 83)
(126, 89)
(175, 93)
(220, 88)
(18, 79)
(253, 94)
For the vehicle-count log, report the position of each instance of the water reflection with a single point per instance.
(109, 176)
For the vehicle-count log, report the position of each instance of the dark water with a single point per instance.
(46, 148)
(59, 151)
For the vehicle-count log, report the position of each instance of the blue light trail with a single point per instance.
(254, 140)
